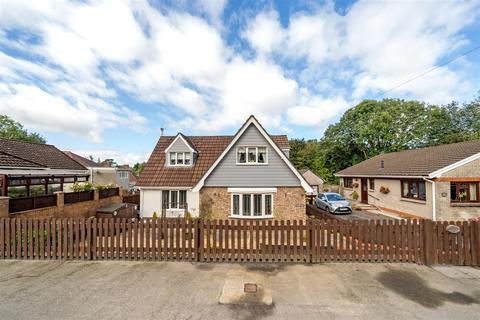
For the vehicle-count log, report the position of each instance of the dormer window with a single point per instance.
(252, 155)
(180, 159)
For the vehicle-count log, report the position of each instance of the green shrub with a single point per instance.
(82, 186)
(154, 216)
(104, 186)
(188, 215)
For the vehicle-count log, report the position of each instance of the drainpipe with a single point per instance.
(434, 197)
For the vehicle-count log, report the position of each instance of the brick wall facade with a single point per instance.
(288, 203)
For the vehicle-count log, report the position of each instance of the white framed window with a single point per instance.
(180, 159)
(252, 155)
(256, 205)
(123, 175)
(174, 199)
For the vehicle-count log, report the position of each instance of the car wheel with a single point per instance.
(328, 209)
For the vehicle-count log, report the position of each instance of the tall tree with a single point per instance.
(375, 127)
(138, 168)
(10, 129)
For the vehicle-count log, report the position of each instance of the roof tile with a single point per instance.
(43, 155)
(209, 149)
(415, 162)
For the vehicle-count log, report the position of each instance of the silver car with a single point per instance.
(333, 203)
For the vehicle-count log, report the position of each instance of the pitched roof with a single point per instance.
(209, 149)
(27, 154)
(7, 160)
(311, 177)
(82, 160)
(415, 162)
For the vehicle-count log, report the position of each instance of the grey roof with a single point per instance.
(82, 160)
(311, 177)
(415, 162)
(18, 153)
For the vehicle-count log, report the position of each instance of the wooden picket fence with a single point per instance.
(311, 241)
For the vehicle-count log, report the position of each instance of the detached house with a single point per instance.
(247, 175)
(439, 183)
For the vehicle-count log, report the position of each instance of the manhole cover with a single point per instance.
(250, 288)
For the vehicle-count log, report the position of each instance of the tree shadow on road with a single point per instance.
(411, 286)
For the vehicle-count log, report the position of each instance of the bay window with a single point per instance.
(252, 155)
(464, 191)
(251, 205)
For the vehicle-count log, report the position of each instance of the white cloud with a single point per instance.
(213, 9)
(315, 110)
(385, 43)
(16, 69)
(38, 109)
(65, 84)
(86, 53)
(264, 33)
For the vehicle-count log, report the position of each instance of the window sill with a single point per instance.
(250, 217)
(465, 204)
(414, 201)
(252, 164)
(179, 166)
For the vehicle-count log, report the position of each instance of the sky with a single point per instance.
(102, 77)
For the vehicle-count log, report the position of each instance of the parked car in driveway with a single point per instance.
(333, 203)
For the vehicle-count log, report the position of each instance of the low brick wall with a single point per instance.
(82, 209)
(288, 203)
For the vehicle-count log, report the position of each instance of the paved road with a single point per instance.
(180, 290)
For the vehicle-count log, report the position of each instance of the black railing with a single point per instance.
(74, 197)
(29, 203)
(107, 193)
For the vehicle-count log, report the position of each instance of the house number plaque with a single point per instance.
(451, 228)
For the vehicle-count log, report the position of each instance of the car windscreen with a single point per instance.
(334, 197)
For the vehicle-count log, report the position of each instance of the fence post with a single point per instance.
(427, 241)
(4, 207)
(60, 200)
(475, 243)
(309, 240)
(199, 242)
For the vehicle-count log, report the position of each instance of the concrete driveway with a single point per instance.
(177, 290)
(355, 215)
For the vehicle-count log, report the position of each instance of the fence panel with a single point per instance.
(29, 203)
(107, 193)
(74, 197)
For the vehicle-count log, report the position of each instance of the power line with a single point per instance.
(428, 71)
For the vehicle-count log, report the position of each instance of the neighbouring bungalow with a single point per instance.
(439, 183)
(31, 169)
(247, 176)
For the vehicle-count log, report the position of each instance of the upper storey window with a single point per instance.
(180, 158)
(252, 155)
